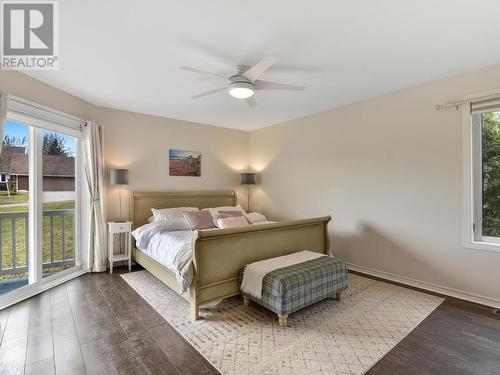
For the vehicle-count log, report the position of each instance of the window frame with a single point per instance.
(39, 118)
(473, 237)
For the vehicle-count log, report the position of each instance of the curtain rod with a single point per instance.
(456, 105)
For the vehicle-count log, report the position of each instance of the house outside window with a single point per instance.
(58, 170)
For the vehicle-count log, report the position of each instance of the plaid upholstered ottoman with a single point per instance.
(292, 288)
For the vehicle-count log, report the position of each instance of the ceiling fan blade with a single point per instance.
(267, 85)
(199, 71)
(209, 92)
(256, 71)
(251, 101)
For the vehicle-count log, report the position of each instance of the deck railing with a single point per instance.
(11, 223)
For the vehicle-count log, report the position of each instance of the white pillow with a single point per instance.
(173, 216)
(165, 213)
(214, 211)
(255, 217)
(232, 222)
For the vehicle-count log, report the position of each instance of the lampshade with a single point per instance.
(248, 179)
(118, 177)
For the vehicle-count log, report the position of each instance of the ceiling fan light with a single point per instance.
(241, 90)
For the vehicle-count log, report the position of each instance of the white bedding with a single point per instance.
(171, 249)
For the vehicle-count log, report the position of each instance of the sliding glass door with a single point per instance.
(14, 207)
(39, 203)
(58, 201)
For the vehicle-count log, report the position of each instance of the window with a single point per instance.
(40, 209)
(485, 174)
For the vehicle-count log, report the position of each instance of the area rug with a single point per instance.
(330, 337)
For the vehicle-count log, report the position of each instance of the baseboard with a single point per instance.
(471, 297)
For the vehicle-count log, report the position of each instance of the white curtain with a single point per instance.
(94, 174)
(3, 114)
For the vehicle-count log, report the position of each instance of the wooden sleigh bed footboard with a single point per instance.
(219, 255)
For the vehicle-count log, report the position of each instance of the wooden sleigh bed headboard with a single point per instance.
(141, 203)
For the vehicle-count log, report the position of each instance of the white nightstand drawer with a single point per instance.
(119, 227)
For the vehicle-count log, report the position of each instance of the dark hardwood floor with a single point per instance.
(458, 337)
(97, 324)
(94, 324)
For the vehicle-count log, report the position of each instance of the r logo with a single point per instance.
(28, 29)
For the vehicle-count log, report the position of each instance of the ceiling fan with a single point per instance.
(244, 83)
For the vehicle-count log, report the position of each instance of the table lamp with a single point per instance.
(119, 177)
(248, 179)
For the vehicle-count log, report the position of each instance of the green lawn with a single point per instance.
(15, 197)
(20, 236)
(46, 206)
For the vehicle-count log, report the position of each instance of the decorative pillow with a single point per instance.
(165, 213)
(173, 216)
(224, 214)
(255, 217)
(199, 220)
(214, 210)
(232, 222)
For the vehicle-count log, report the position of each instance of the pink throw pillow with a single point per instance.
(224, 214)
(199, 220)
(232, 222)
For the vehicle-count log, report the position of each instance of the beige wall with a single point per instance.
(141, 143)
(29, 88)
(390, 172)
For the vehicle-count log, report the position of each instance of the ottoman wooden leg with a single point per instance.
(246, 301)
(283, 320)
(339, 295)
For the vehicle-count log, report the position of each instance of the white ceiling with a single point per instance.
(126, 54)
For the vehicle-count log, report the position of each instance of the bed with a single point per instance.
(219, 255)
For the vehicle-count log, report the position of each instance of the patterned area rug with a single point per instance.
(331, 337)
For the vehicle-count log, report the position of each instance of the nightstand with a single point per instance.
(118, 228)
